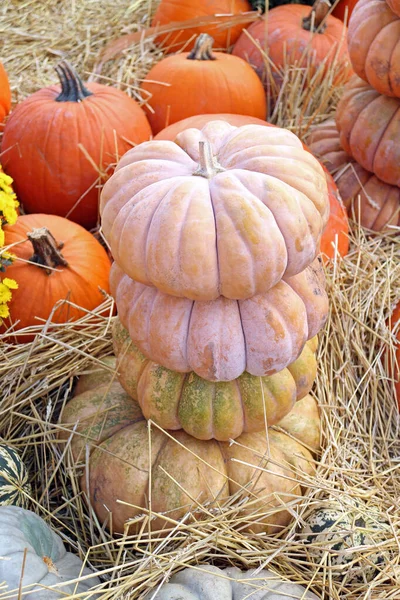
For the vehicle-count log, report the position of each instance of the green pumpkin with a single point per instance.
(14, 487)
(342, 536)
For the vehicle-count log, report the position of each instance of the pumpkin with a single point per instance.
(5, 95)
(221, 339)
(340, 9)
(261, 4)
(177, 467)
(394, 321)
(14, 484)
(59, 261)
(292, 35)
(394, 5)
(374, 46)
(337, 228)
(222, 211)
(205, 582)
(369, 128)
(57, 145)
(372, 203)
(169, 11)
(209, 82)
(33, 556)
(207, 410)
(341, 531)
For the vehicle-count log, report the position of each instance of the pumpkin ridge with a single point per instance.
(188, 328)
(148, 320)
(394, 117)
(243, 334)
(241, 400)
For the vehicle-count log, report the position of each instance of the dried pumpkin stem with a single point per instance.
(315, 21)
(46, 250)
(72, 88)
(208, 166)
(202, 48)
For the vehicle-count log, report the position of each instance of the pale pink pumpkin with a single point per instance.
(224, 211)
(222, 338)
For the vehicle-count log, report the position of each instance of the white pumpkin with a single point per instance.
(344, 535)
(47, 562)
(210, 583)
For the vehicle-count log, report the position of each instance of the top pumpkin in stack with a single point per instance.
(224, 211)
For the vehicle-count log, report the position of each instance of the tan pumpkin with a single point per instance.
(178, 472)
(221, 339)
(394, 5)
(374, 45)
(373, 203)
(222, 211)
(369, 128)
(206, 410)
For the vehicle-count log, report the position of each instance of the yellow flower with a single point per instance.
(10, 283)
(1, 236)
(4, 312)
(5, 293)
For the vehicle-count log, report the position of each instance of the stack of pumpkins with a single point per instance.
(362, 148)
(220, 296)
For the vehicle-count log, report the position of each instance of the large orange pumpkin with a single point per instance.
(59, 261)
(170, 11)
(369, 128)
(211, 410)
(221, 339)
(374, 45)
(57, 145)
(373, 203)
(201, 81)
(5, 95)
(291, 35)
(176, 473)
(340, 9)
(336, 232)
(223, 211)
(394, 5)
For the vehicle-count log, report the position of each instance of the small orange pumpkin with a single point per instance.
(5, 95)
(374, 45)
(57, 143)
(188, 84)
(59, 261)
(170, 11)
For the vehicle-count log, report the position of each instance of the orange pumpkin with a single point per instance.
(394, 5)
(130, 465)
(59, 261)
(374, 46)
(5, 95)
(373, 203)
(289, 35)
(336, 232)
(211, 410)
(57, 145)
(369, 128)
(188, 84)
(221, 339)
(169, 11)
(263, 220)
(394, 320)
(340, 9)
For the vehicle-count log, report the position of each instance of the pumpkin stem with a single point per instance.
(72, 88)
(46, 250)
(202, 48)
(208, 166)
(315, 22)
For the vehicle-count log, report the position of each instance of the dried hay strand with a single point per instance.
(360, 458)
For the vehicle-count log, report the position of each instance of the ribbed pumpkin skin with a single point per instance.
(169, 11)
(394, 5)
(5, 96)
(373, 203)
(14, 479)
(88, 270)
(40, 148)
(199, 121)
(374, 45)
(369, 128)
(181, 88)
(235, 234)
(221, 339)
(119, 468)
(208, 410)
(281, 34)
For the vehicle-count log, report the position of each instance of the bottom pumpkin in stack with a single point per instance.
(271, 467)
(375, 204)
